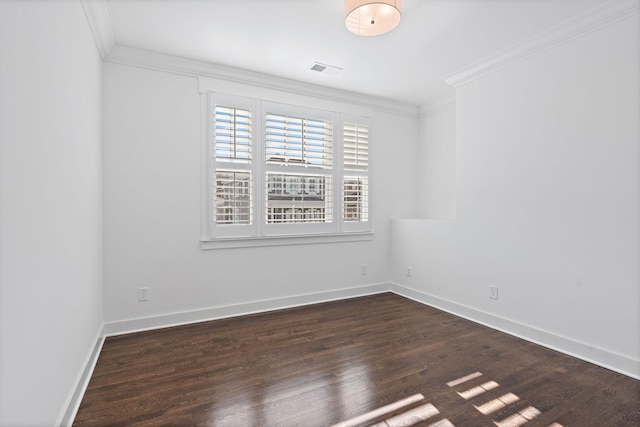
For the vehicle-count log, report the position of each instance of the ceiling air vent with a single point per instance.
(325, 69)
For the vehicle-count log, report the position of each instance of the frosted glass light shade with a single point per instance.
(371, 17)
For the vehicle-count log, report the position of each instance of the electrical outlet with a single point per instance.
(143, 294)
(409, 271)
(493, 291)
(363, 269)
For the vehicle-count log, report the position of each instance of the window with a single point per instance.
(303, 144)
(281, 170)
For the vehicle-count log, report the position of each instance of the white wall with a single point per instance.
(547, 202)
(50, 207)
(152, 209)
(437, 163)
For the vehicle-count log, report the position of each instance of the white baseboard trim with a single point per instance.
(213, 313)
(607, 359)
(82, 381)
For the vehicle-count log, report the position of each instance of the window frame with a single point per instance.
(259, 232)
(231, 230)
(291, 229)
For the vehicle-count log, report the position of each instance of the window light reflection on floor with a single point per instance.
(407, 418)
(380, 411)
(478, 390)
(442, 423)
(519, 418)
(411, 417)
(496, 404)
(464, 379)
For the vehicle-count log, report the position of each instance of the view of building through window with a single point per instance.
(356, 194)
(233, 197)
(298, 198)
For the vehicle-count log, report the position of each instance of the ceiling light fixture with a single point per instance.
(372, 17)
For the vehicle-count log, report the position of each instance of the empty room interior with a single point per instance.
(320, 213)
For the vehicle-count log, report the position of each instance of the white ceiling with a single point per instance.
(284, 37)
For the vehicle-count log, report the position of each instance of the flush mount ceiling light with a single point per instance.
(371, 17)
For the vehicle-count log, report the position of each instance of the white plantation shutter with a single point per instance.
(355, 188)
(231, 188)
(232, 130)
(356, 147)
(298, 140)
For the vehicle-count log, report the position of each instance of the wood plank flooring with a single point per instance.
(329, 363)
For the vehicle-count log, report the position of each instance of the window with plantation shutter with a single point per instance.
(278, 170)
(302, 141)
(232, 134)
(355, 190)
(299, 167)
(356, 147)
(232, 160)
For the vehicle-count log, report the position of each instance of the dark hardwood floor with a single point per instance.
(329, 363)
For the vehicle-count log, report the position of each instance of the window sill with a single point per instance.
(284, 240)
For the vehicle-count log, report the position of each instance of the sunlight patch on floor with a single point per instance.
(491, 406)
(411, 417)
(477, 391)
(519, 418)
(408, 418)
(496, 404)
(381, 411)
(464, 379)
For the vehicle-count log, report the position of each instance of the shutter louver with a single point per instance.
(232, 133)
(298, 141)
(356, 147)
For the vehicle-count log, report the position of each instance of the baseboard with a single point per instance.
(601, 357)
(75, 397)
(213, 313)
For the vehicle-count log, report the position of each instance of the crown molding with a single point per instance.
(586, 23)
(437, 105)
(194, 68)
(100, 24)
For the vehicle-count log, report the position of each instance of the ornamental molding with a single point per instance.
(194, 68)
(100, 24)
(592, 20)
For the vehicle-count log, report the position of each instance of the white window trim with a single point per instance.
(284, 240)
(260, 234)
